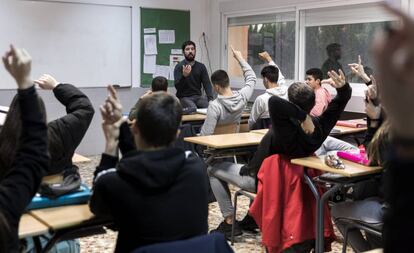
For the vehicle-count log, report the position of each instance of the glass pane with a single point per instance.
(277, 38)
(345, 43)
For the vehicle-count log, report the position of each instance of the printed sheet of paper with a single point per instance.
(150, 44)
(174, 60)
(166, 36)
(149, 64)
(149, 30)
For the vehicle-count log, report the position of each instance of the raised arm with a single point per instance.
(79, 113)
(268, 59)
(31, 162)
(248, 73)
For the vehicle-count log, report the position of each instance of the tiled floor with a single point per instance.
(105, 243)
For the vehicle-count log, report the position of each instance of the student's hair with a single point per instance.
(158, 119)
(220, 78)
(302, 95)
(315, 73)
(187, 43)
(271, 73)
(10, 134)
(332, 47)
(159, 83)
(379, 145)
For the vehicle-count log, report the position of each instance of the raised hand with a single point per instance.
(307, 125)
(358, 69)
(236, 54)
(265, 56)
(19, 63)
(338, 80)
(46, 82)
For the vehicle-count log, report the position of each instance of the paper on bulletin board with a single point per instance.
(176, 51)
(150, 44)
(149, 64)
(161, 70)
(166, 36)
(149, 30)
(174, 60)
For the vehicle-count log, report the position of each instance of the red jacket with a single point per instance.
(285, 208)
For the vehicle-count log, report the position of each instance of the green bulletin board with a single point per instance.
(163, 19)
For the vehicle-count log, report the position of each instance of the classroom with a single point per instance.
(206, 126)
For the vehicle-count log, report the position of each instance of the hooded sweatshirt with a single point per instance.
(152, 196)
(227, 110)
(260, 108)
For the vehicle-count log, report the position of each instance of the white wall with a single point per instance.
(93, 143)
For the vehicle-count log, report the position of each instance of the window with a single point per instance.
(334, 37)
(274, 33)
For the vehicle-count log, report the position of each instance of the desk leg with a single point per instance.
(320, 202)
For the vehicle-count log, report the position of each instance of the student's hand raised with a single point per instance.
(338, 80)
(186, 70)
(113, 106)
(358, 69)
(236, 54)
(19, 63)
(46, 82)
(265, 56)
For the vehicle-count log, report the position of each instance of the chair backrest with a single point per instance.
(227, 128)
(262, 124)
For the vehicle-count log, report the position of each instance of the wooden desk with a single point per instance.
(348, 130)
(222, 141)
(351, 169)
(80, 159)
(64, 216)
(30, 226)
(375, 251)
(202, 117)
(260, 131)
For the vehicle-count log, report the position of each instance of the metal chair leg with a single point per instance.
(236, 194)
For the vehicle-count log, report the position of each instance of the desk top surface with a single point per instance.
(30, 226)
(202, 117)
(349, 130)
(79, 158)
(64, 216)
(351, 169)
(222, 141)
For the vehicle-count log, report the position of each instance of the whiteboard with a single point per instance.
(86, 44)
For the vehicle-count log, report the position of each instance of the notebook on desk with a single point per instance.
(79, 197)
(355, 123)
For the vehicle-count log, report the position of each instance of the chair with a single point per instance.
(211, 243)
(365, 215)
(227, 129)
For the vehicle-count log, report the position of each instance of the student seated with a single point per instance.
(314, 79)
(30, 160)
(227, 108)
(65, 133)
(148, 192)
(294, 133)
(272, 80)
(159, 83)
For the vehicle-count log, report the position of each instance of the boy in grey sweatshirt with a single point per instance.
(227, 108)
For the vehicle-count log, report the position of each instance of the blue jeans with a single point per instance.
(194, 102)
(69, 246)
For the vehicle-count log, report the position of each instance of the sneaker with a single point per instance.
(225, 229)
(248, 224)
